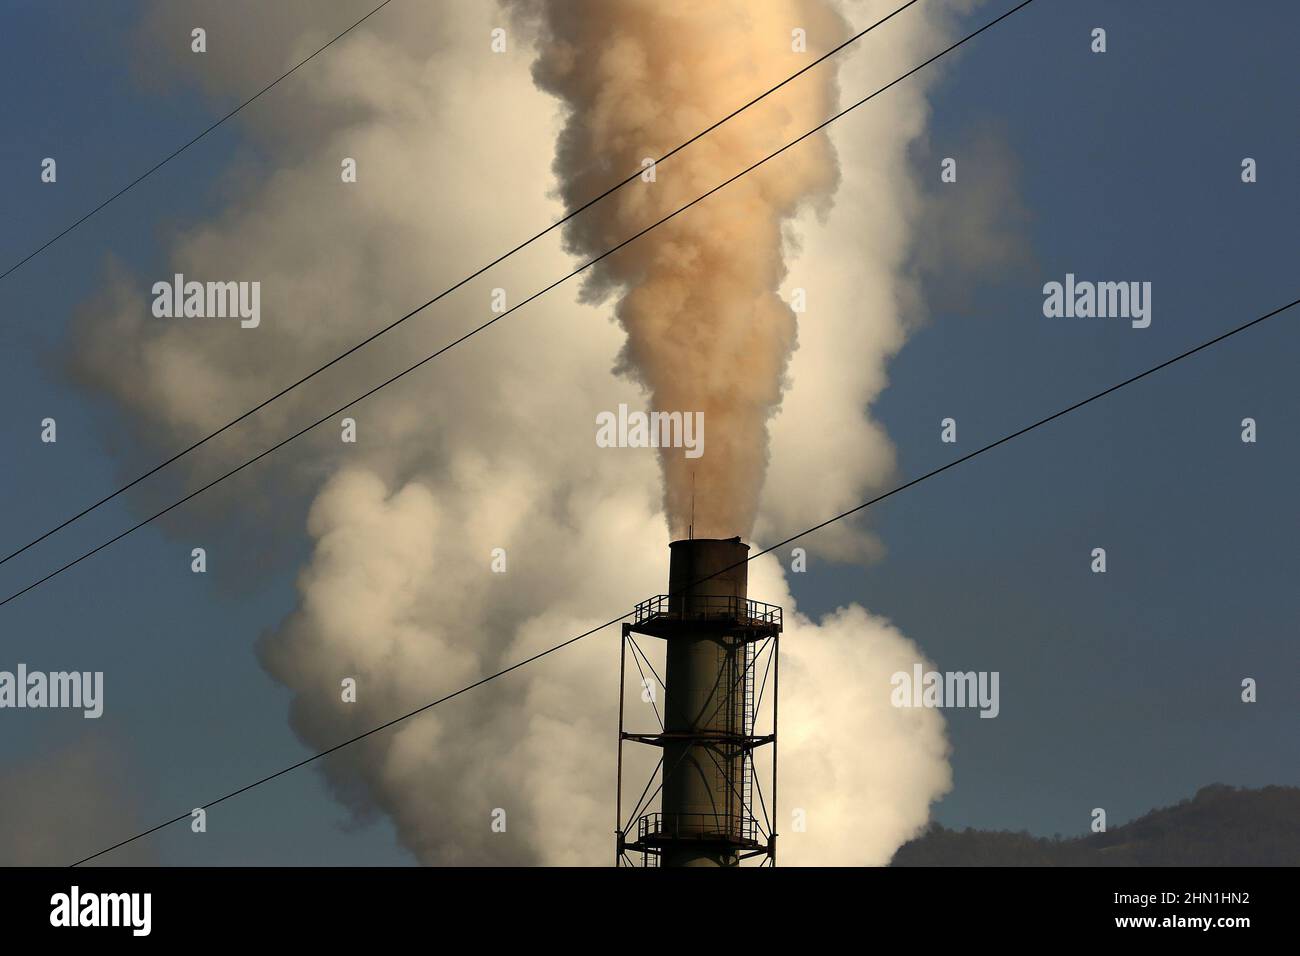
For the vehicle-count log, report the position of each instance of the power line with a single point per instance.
(373, 730)
(469, 278)
(807, 531)
(644, 657)
(588, 264)
(167, 159)
(1029, 428)
(645, 682)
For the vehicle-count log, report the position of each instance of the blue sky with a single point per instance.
(1120, 690)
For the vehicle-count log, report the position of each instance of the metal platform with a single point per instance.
(661, 615)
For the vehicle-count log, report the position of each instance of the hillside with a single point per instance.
(1220, 826)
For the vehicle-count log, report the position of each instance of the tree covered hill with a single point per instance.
(1220, 826)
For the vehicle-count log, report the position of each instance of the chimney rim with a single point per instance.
(734, 539)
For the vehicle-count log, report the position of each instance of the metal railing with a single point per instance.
(716, 607)
(690, 826)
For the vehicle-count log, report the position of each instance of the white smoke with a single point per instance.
(492, 446)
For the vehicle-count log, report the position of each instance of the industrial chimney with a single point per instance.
(716, 640)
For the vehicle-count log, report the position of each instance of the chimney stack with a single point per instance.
(714, 637)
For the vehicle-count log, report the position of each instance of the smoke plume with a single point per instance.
(706, 328)
(491, 446)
